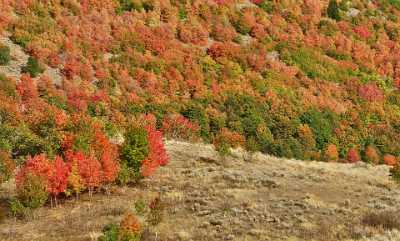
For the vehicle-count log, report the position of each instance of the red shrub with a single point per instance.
(27, 88)
(225, 49)
(157, 154)
(362, 31)
(178, 127)
(38, 165)
(389, 160)
(371, 92)
(353, 156)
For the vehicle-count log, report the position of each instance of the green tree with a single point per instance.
(134, 150)
(333, 10)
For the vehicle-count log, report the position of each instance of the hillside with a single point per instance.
(91, 90)
(209, 198)
(303, 80)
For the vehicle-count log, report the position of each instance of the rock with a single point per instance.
(353, 12)
(272, 56)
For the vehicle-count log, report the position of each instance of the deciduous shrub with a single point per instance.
(227, 139)
(178, 127)
(4, 55)
(389, 160)
(371, 155)
(32, 191)
(322, 124)
(128, 230)
(331, 153)
(134, 150)
(142, 153)
(33, 67)
(353, 155)
(7, 166)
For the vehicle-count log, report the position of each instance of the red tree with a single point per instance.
(58, 178)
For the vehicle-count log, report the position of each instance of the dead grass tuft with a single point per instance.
(387, 220)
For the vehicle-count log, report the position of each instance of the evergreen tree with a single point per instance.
(333, 10)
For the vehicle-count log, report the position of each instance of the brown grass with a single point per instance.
(387, 220)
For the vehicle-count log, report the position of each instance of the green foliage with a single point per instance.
(113, 232)
(289, 148)
(140, 206)
(182, 14)
(267, 6)
(395, 3)
(245, 114)
(17, 209)
(110, 233)
(22, 141)
(32, 193)
(338, 56)
(7, 86)
(196, 114)
(333, 10)
(129, 5)
(4, 55)
(315, 65)
(33, 68)
(322, 124)
(134, 150)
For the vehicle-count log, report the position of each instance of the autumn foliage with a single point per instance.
(279, 78)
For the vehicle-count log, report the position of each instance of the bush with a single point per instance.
(196, 114)
(32, 193)
(178, 127)
(129, 5)
(322, 124)
(331, 153)
(33, 67)
(17, 209)
(4, 55)
(227, 139)
(371, 155)
(7, 166)
(333, 10)
(140, 206)
(134, 150)
(128, 230)
(389, 160)
(110, 233)
(353, 156)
